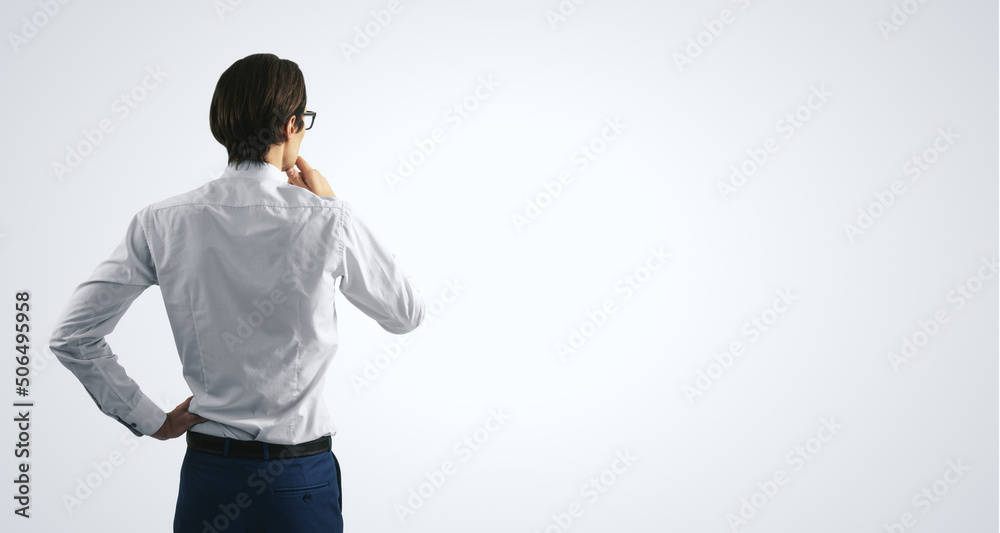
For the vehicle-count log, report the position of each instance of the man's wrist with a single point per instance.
(145, 417)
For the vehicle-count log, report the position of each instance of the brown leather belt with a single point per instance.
(255, 449)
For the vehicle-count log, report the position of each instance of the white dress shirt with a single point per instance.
(247, 265)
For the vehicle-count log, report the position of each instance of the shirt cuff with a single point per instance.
(145, 418)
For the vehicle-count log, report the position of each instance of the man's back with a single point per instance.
(247, 265)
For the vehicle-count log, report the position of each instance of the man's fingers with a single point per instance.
(178, 421)
(295, 178)
(183, 406)
(185, 413)
(309, 178)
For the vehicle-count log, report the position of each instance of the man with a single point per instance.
(247, 265)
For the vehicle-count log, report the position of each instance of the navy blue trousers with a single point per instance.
(238, 495)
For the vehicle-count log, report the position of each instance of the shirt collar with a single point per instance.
(252, 169)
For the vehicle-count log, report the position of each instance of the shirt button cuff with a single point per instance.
(146, 417)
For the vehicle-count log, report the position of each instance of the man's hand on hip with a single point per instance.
(309, 178)
(178, 421)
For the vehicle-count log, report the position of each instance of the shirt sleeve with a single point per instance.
(374, 281)
(93, 311)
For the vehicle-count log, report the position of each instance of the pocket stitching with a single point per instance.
(299, 490)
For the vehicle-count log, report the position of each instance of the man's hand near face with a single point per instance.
(309, 178)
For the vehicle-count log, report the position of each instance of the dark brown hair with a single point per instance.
(253, 101)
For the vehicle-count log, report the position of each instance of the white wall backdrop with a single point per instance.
(709, 266)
